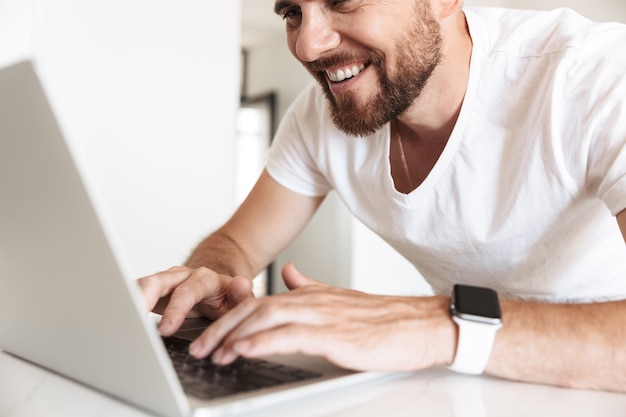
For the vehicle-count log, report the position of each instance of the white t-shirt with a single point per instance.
(523, 196)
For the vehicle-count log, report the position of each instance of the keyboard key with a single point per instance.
(202, 378)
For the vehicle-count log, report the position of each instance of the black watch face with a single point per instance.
(476, 301)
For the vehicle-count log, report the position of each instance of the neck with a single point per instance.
(419, 135)
(434, 113)
(412, 159)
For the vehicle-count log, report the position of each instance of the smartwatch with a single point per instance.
(476, 312)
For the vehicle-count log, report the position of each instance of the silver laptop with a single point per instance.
(66, 300)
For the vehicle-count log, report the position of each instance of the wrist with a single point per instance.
(431, 331)
(476, 313)
(447, 333)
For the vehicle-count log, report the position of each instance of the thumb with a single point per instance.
(238, 289)
(294, 279)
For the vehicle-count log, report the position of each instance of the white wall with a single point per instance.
(147, 90)
(335, 248)
(272, 68)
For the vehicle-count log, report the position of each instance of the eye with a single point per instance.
(292, 16)
(339, 3)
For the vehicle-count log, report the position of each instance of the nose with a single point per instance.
(315, 36)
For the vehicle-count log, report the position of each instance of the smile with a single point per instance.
(345, 73)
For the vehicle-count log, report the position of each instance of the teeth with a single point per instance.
(344, 74)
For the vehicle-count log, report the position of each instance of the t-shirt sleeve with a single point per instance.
(606, 116)
(293, 158)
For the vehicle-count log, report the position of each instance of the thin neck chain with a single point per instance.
(407, 172)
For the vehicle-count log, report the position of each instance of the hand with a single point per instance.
(182, 292)
(349, 328)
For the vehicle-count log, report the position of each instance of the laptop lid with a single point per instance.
(66, 300)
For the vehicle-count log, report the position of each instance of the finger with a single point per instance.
(213, 335)
(294, 279)
(202, 285)
(287, 339)
(156, 286)
(265, 317)
(238, 290)
(235, 291)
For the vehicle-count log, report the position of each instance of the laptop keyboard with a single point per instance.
(202, 378)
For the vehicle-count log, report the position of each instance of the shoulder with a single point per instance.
(548, 51)
(529, 33)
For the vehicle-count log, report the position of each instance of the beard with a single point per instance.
(418, 54)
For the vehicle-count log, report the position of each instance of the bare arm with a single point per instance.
(577, 345)
(567, 345)
(621, 221)
(217, 274)
(266, 222)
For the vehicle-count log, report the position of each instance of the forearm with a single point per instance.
(571, 345)
(266, 222)
(224, 255)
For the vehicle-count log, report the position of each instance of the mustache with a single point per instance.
(322, 64)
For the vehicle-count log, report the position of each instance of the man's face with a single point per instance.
(371, 57)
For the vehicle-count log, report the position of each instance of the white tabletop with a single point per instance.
(29, 391)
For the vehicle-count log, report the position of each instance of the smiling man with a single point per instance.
(487, 146)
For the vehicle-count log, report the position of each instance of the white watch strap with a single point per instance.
(474, 346)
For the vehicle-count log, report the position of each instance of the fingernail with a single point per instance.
(164, 326)
(195, 348)
(218, 355)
